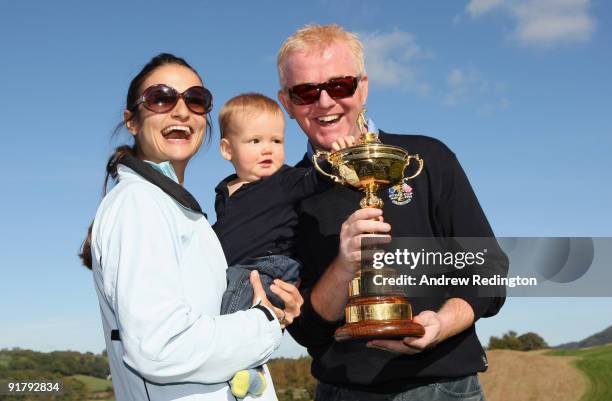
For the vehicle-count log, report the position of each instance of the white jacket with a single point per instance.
(159, 272)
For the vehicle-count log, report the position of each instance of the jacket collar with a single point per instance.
(166, 184)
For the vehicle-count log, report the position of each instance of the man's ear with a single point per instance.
(226, 149)
(282, 97)
(363, 89)
(128, 119)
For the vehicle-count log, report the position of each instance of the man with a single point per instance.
(446, 359)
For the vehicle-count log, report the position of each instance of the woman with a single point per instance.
(158, 267)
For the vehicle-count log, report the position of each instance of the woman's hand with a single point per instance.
(287, 292)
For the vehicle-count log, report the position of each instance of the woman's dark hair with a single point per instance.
(134, 92)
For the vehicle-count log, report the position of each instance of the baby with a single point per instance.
(256, 215)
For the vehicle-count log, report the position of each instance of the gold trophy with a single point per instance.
(373, 311)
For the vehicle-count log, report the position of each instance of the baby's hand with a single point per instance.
(343, 142)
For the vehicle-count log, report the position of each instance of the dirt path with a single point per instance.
(531, 376)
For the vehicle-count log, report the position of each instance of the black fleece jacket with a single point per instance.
(443, 205)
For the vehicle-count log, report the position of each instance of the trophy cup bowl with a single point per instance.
(369, 167)
(373, 313)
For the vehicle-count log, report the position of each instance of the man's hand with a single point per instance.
(330, 295)
(343, 142)
(364, 223)
(432, 323)
(454, 316)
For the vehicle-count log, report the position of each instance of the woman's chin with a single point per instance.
(180, 154)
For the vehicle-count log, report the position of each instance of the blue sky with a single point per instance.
(520, 90)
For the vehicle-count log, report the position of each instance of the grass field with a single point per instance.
(596, 364)
(549, 375)
(94, 384)
(531, 376)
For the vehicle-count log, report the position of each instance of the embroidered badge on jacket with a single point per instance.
(400, 194)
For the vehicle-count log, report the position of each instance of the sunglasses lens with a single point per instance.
(198, 99)
(340, 88)
(160, 99)
(337, 88)
(304, 94)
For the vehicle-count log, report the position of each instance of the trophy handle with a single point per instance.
(316, 157)
(418, 159)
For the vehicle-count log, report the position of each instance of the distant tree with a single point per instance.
(525, 342)
(531, 341)
(74, 390)
(65, 363)
(22, 362)
(98, 367)
(507, 341)
(495, 343)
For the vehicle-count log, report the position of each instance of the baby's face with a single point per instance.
(256, 145)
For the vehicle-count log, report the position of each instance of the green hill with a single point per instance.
(602, 338)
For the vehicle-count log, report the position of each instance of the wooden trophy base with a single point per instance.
(378, 317)
(379, 330)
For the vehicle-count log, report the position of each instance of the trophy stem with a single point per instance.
(370, 199)
(373, 311)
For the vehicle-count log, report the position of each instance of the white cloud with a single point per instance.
(462, 85)
(493, 106)
(478, 7)
(390, 60)
(465, 86)
(542, 22)
(456, 78)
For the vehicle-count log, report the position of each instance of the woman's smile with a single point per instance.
(177, 133)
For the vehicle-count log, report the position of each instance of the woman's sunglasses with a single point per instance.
(336, 88)
(162, 98)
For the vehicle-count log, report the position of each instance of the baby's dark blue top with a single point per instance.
(260, 219)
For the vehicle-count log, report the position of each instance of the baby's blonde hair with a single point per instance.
(247, 103)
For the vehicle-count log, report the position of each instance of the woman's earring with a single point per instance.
(130, 127)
